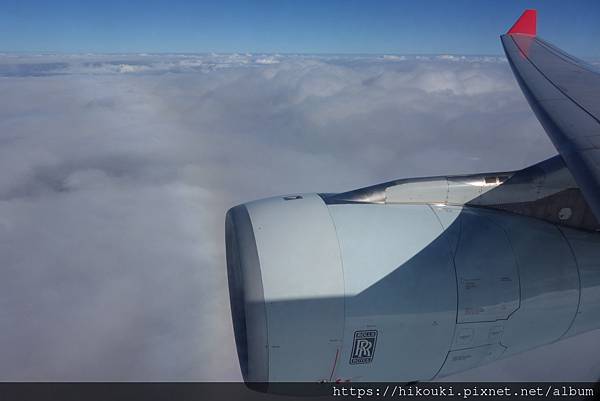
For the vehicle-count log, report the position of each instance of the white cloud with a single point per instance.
(394, 57)
(118, 170)
(267, 60)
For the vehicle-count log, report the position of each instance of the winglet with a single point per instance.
(525, 25)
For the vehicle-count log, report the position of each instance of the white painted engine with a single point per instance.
(360, 291)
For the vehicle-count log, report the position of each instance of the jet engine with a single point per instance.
(387, 286)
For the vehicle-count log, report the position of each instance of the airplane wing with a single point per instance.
(564, 93)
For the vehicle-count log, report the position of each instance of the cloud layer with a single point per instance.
(118, 170)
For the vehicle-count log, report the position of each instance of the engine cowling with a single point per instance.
(325, 291)
(286, 288)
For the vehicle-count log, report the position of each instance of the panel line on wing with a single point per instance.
(553, 84)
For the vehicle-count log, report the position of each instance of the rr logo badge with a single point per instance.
(363, 346)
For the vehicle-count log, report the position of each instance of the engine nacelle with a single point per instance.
(399, 292)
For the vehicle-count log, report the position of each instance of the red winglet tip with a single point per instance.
(526, 24)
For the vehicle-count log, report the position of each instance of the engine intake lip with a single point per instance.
(246, 295)
(236, 291)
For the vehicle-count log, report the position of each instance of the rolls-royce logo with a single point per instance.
(363, 347)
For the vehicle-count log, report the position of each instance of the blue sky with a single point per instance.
(285, 26)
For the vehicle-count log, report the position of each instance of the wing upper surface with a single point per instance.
(564, 93)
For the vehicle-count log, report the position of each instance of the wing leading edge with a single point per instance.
(564, 93)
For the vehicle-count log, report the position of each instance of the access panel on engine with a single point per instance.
(486, 269)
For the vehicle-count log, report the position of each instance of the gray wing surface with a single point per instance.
(564, 93)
